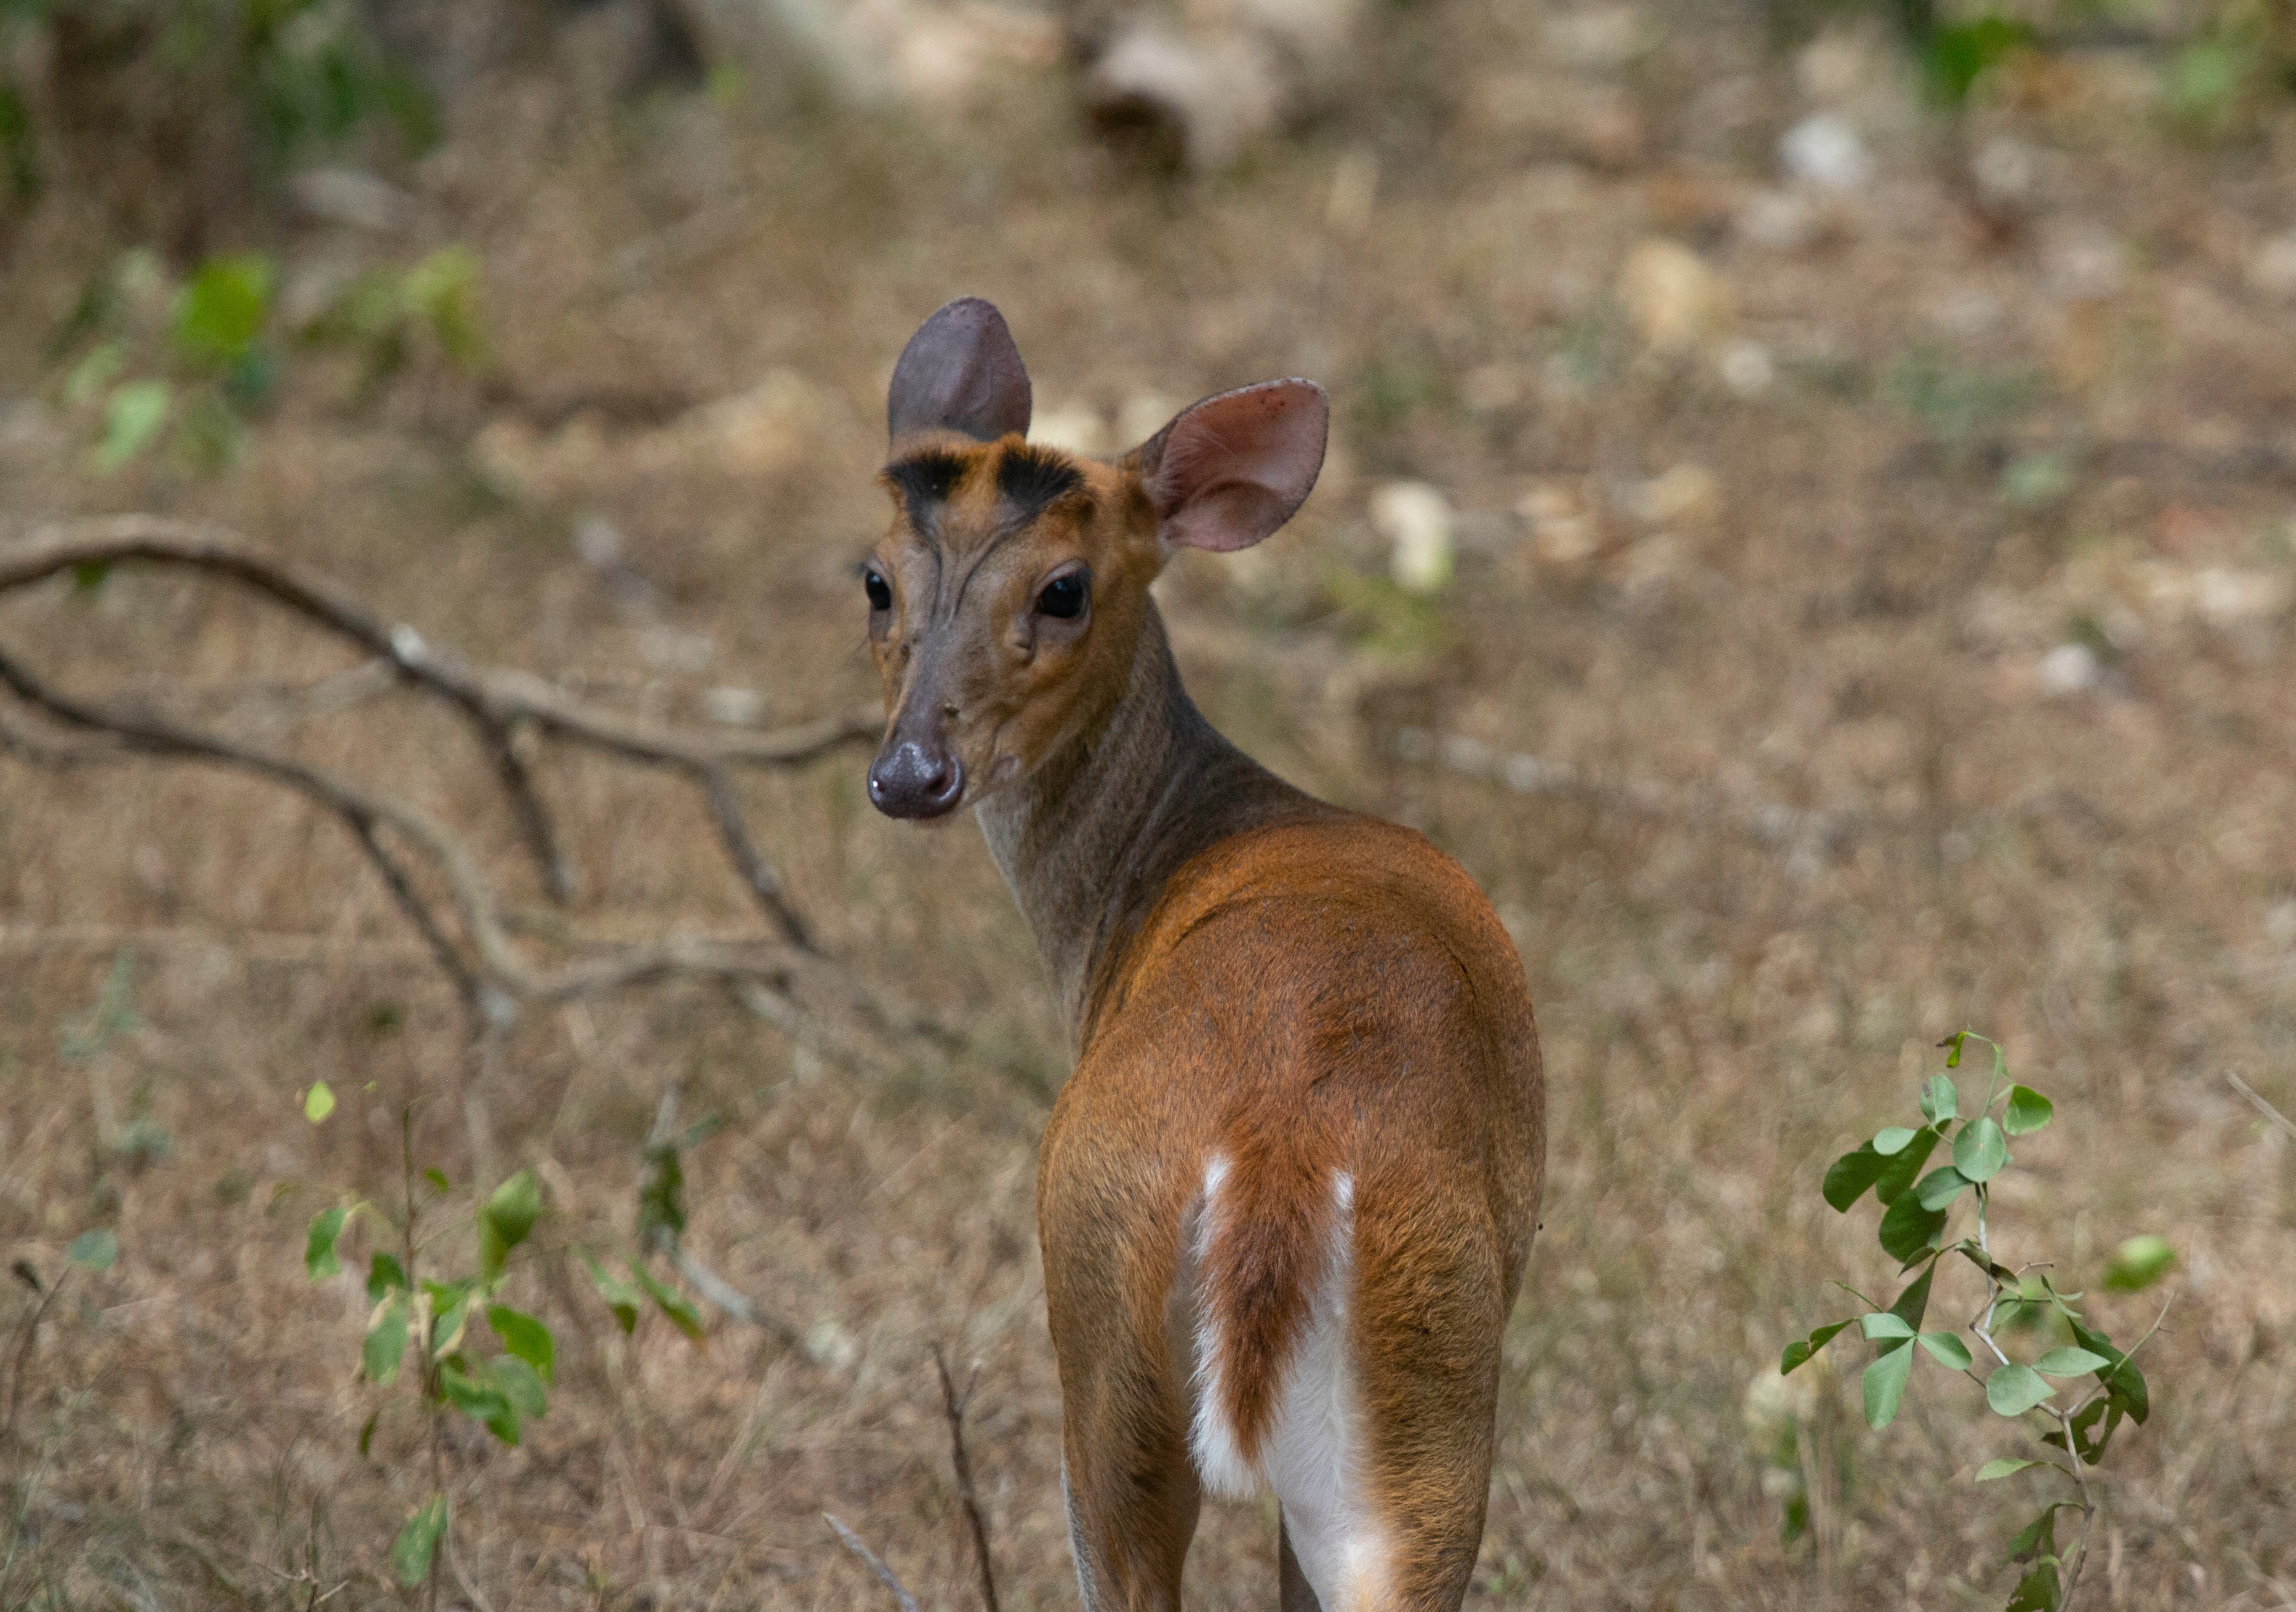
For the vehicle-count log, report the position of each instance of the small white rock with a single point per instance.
(2280, 924)
(1778, 219)
(1415, 519)
(1676, 301)
(1747, 369)
(2069, 669)
(827, 1343)
(732, 705)
(1825, 151)
(2273, 269)
(597, 542)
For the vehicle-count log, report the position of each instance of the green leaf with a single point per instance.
(437, 1180)
(479, 1400)
(624, 1299)
(1947, 1350)
(2088, 1443)
(662, 1195)
(1979, 1150)
(1909, 1230)
(131, 419)
(1958, 53)
(1800, 1352)
(671, 1304)
(516, 1382)
(1939, 1101)
(2037, 1590)
(2139, 1263)
(318, 1103)
(1914, 1302)
(1881, 1324)
(385, 1345)
(366, 1435)
(442, 291)
(319, 1261)
(2013, 1390)
(1939, 1188)
(383, 1276)
(99, 369)
(410, 1552)
(2027, 1113)
(1954, 1042)
(505, 1220)
(1899, 1171)
(1891, 1141)
(94, 1250)
(1851, 1174)
(1993, 1471)
(526, 1338)
(2122, 1378)
(1884, 1384)
(2070, 1362)
(450, 1315)
(222, 309)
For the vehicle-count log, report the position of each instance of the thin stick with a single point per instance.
(954, 1403)
(853, 1543)
(2262, 1107)
(23, 1353)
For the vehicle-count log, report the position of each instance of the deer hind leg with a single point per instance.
(1380, 1449)
(1131, 1491)
(1428, 1332)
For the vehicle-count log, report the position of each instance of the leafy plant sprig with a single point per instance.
(2077, 1423)
(437, 1316)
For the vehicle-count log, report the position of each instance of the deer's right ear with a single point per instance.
(959, 372)
(1228, 472)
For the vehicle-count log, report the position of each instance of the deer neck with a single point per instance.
(1087, 843)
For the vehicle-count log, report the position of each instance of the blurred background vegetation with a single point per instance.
(1811, 526)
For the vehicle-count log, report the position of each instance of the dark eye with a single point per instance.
(880, 591)
(1062, 598)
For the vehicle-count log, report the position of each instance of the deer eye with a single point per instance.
(880, 591)
(1062, 598)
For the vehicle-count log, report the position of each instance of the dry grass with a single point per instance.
(2103, 879)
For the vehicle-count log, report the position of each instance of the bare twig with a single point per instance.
(22, 1355)
(908, 1602)
(954, 1403)
(2262, 1107)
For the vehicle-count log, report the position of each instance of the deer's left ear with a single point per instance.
(1230, 470)
(959, 372)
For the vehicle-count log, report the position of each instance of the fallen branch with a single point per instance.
(498, 703)
(478, 952)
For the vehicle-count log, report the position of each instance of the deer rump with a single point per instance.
(1343, 1243)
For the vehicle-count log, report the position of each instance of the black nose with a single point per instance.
(907, 782)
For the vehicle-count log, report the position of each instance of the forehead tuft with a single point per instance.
(957, 494)
(1033, 479)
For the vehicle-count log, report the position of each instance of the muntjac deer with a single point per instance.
(1286, 1197)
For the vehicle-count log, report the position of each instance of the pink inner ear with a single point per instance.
(1230, 471)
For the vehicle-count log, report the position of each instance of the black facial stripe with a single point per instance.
(1033, 479)
(925, 481)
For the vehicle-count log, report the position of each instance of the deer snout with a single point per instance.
(913, 778)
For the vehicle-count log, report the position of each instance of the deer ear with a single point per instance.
(959, 372)
(1228, 472)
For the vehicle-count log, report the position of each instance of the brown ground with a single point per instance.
(1839, 601)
